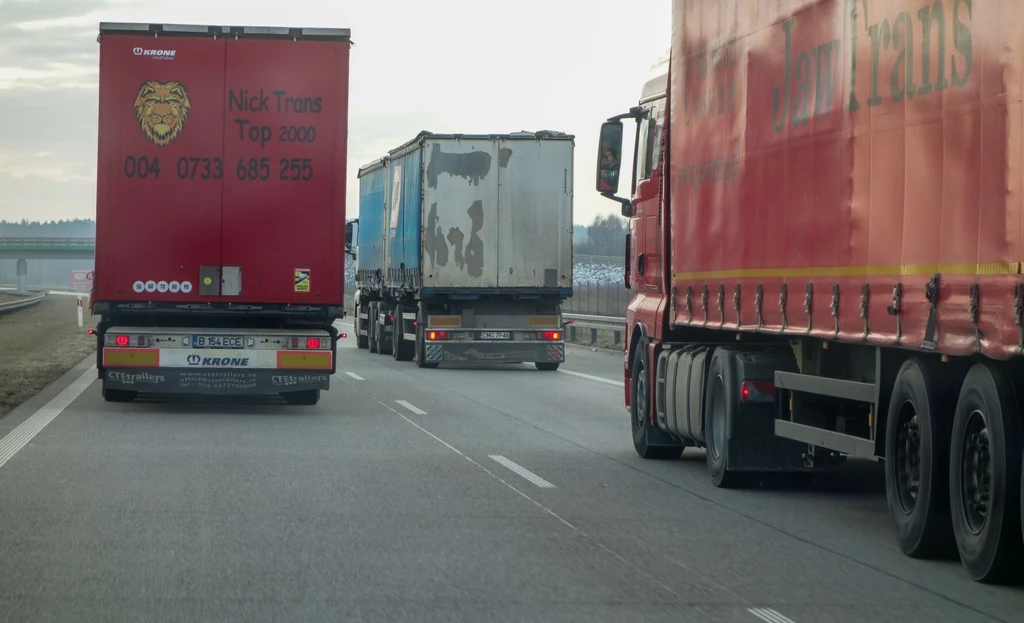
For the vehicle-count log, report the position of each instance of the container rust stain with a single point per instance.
(437, 250)
(473, 166)
(469, 256)
(504, 155)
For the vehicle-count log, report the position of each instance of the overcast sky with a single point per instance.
(472, 66)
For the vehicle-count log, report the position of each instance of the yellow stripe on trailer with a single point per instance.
(542, 321)
(444, 321)
(132, 357)
(304, 360)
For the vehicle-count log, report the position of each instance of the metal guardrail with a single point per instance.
(595, 323)
(47, 241)
(26, 301)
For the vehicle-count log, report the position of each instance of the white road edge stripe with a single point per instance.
(593, 378)
(522, 471)
(411, 407)
(355, 376)
(24, 432)
(769, 615)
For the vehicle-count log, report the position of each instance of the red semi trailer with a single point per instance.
(220, 209)
(826, 240)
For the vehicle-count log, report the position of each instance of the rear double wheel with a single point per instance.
(401, 348)
(420, 347)
(917, 460)
(371, 326)
(985, 486)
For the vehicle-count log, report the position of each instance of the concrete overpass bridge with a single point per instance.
(24, 248)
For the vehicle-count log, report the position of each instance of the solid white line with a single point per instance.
(355, 376)
(769, 616)
(411, 407)
(20, 436)
(522, 471)
(593, 378)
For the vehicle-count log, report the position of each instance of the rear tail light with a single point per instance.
(122, 340)
(757, 391)
(344, 336)
(551, 335)
(437, 335)
(309, 343)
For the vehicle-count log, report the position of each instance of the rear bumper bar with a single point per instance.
(456, 351)
(229, 381)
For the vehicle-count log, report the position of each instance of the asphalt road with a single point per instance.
(455, 494)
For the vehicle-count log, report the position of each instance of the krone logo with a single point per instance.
(162, 109)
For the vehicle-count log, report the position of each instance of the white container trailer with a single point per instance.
(464, 247)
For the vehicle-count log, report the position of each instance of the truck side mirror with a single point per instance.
(351, 229)
(609, 157)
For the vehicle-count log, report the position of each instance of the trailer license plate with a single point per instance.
(493, 335)
(218, 341)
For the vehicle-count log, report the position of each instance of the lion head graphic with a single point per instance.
(162, 109)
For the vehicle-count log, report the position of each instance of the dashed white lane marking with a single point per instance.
(769, 616)
(654, 580)
(593, 378)
(411, 407)
(355, 376)
(20, 436)
(522, 471)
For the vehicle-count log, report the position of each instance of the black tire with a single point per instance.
(401, 348)
(304, 397)
(986, 431)
(371, 327)
(419, 353)
(118, 395)
(547, 366)
(721, 403)
(362, 341)
(383, 345)
(640, 411)
(917, 460)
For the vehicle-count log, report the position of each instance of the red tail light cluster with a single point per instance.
(122, 340)
(309, 343)
(437, 335)
(551, 335)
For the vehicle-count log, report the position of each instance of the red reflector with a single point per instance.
(141, 341)
(551, 335)
(122, 340)
(313, 342)
(757, 390)
(437, 335)
(295, 342)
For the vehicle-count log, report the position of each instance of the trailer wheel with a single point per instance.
(722, 403)
(420, 350)
(644, 432)
(371, 327)
(917, 460)
(401, 349)
(118, 395)
(547, 366)
(303, 397)
(984, 475)
(362, 341)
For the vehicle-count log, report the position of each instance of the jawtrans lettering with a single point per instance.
(925, 34)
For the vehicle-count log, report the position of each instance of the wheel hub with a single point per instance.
(976, 472)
